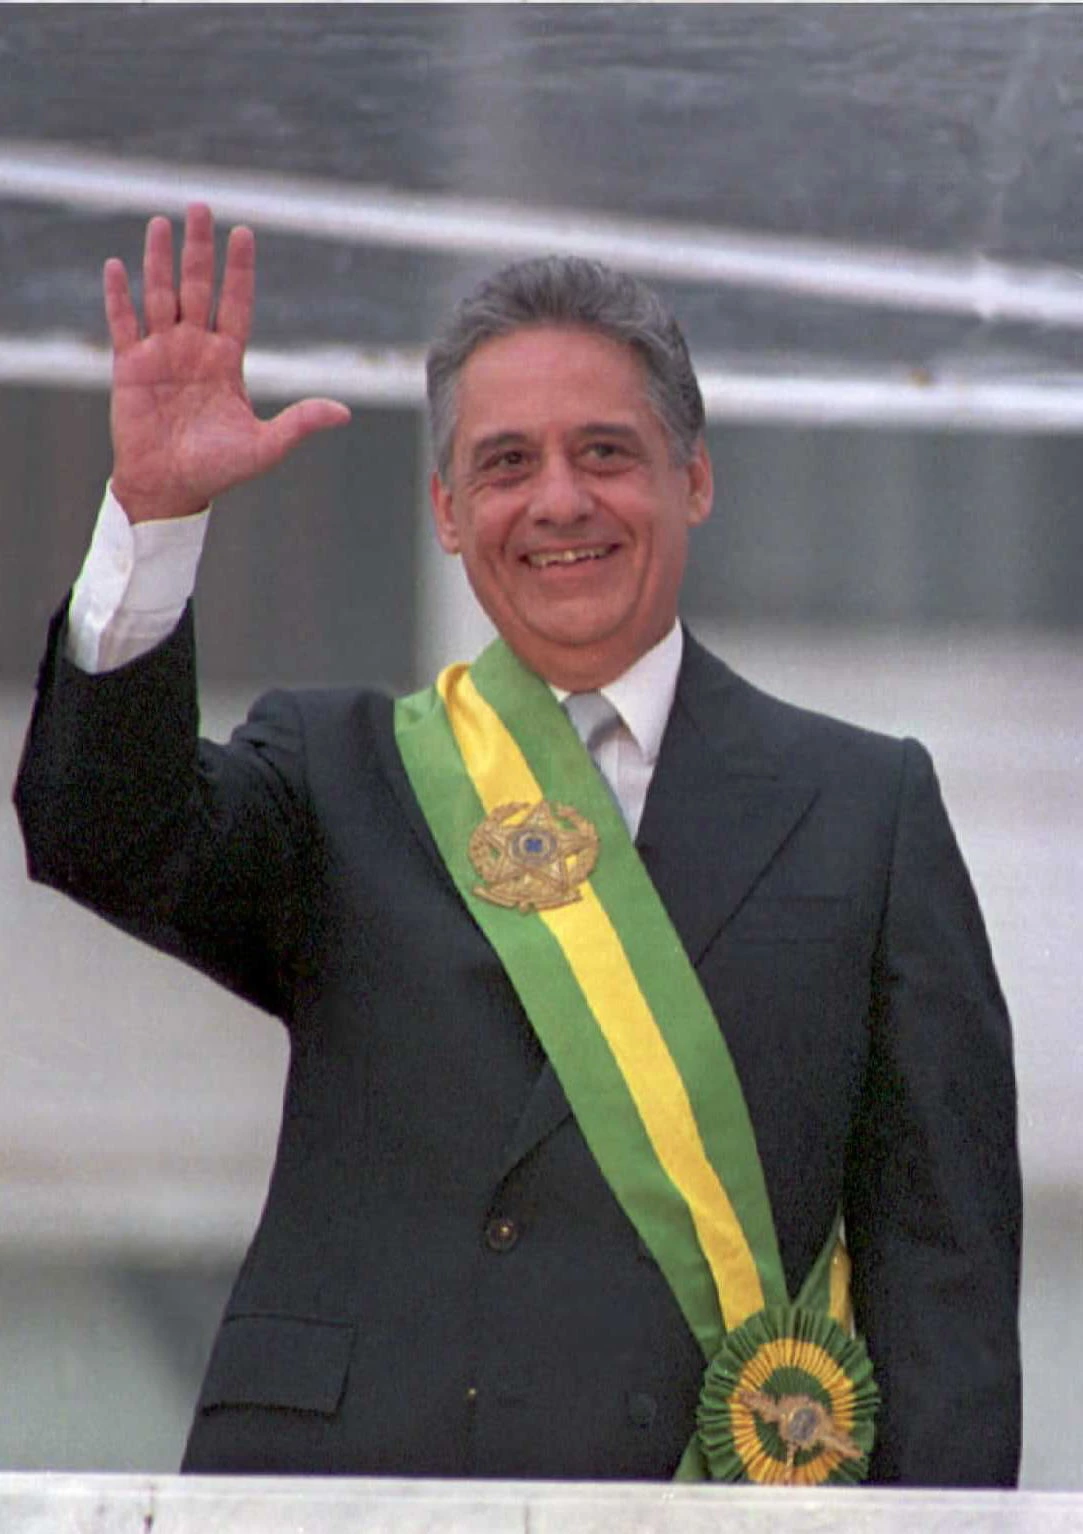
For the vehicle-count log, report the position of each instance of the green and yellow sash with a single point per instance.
(543, 860)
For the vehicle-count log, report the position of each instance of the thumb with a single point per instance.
(283, 432)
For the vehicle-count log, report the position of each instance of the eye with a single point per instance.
(508, 461)
(604, 453)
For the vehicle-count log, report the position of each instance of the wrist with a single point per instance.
(157, 506)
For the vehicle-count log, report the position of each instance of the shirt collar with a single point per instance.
(643, 695)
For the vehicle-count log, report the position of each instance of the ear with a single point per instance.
(700, 485)
(443, 515)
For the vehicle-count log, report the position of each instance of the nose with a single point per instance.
(560, 495)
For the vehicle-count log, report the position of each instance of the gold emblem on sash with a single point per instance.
(533, 857)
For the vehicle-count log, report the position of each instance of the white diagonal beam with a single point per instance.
(896, 279)
(390, 377)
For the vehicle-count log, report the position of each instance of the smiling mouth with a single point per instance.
(545, 560)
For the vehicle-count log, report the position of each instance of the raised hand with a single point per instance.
(183, 426)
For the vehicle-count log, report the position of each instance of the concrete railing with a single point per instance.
(113, 1504)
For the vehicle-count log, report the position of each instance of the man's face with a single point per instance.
(565, 504)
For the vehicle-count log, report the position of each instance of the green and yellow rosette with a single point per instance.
(788, 1399)
(543, 861)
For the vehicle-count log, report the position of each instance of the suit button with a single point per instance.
(501, 1234)
(642, 1409)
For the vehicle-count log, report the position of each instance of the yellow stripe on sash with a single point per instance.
(839, 1306)
(601, 967)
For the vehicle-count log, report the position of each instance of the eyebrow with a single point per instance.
(609, 429)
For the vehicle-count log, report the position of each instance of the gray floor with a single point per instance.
(138, 1103)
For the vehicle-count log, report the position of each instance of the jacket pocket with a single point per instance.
(292, 1362)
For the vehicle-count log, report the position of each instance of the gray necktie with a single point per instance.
(594, 718)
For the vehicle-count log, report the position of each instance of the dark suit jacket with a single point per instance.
(441, 1282)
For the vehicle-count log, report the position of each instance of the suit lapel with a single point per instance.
(546, 1109)
(721, 802)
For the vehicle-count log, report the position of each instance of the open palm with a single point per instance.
(183, 426)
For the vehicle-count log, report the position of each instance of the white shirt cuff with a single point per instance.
(133, 587)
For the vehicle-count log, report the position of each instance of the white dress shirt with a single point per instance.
(136, 580)
(643, 697)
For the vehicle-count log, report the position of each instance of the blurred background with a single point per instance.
(867, 221)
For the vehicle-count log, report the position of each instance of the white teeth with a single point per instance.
(565, 557)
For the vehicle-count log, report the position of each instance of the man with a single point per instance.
(569, 1123)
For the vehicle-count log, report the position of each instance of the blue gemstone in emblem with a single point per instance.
(534, 844)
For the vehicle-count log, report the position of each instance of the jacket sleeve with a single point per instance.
(191, 846)
(933, 1205)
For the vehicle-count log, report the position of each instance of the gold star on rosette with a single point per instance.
(803, 1424)
(533, 857)
(788, 1400)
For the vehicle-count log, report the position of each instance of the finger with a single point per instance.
(197, 266)
(238, 286)
(119, 310)
(282, 433)
(159, 294)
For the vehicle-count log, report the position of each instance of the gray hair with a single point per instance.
(571, 291)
